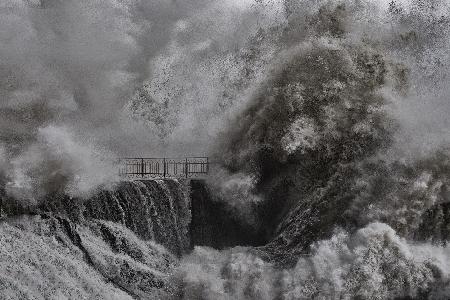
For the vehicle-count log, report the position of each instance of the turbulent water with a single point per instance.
(110, 246)
(326, 121)
(124, 242)
(50, 258)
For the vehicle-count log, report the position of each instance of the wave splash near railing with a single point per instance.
(153, 168)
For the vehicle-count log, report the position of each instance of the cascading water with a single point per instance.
(157, 210)
(112, 236)
(46, 257)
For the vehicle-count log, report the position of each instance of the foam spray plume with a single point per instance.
(328, 119)
(63, 73)
(68, 69)
(328, 145)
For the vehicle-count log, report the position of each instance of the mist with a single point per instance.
(72, 76)
(326, 122)
(127, 78)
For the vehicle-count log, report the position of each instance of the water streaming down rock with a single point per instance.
(43, 257)
(114, 236)
(178, 214)
(153, 209)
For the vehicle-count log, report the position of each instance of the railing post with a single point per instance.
(186, 167)
(164, 167)
(207, 165)
(142, 168)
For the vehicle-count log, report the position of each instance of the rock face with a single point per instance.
(214, 225)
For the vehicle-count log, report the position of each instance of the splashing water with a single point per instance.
(320, 114)
(372, 263)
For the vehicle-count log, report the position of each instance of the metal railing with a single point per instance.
(142, 168)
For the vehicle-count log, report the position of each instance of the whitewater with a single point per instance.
(326, 122)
